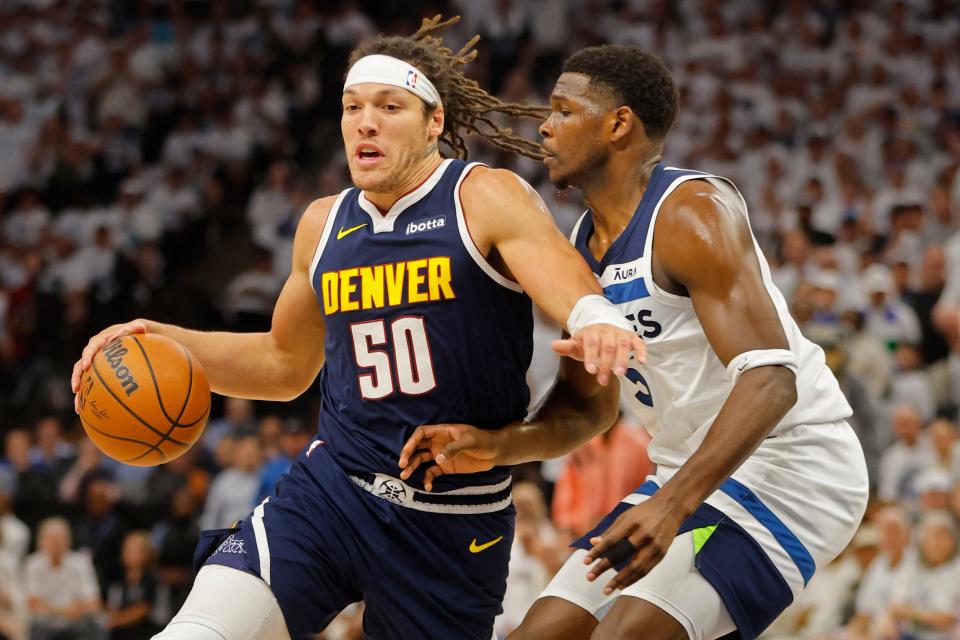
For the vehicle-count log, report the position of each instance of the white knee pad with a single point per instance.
(227, 604)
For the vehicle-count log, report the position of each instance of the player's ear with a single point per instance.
(623, 122)
(436, 120)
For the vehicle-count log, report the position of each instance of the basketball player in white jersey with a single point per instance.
(759, 477)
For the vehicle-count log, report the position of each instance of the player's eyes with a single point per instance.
(351, 107)
(391, 107)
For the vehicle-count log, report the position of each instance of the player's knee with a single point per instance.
(188, 631)
(227, 604)
(552, 618)
(636, 618)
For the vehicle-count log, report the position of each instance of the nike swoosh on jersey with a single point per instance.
(345, 232)
(477, 548)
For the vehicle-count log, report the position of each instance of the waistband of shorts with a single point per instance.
(464, 501)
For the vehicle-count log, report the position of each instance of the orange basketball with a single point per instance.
(144, 400)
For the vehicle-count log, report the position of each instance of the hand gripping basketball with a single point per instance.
(97, 343)
(143, 399)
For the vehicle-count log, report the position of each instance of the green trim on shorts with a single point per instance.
(700, 537)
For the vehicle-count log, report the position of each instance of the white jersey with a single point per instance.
(678, 393)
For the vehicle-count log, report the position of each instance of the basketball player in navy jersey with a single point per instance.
(759, 477)
(410, 291)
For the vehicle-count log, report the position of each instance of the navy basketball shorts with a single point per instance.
(425, 565)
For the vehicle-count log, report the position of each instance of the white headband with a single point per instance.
(389, 70)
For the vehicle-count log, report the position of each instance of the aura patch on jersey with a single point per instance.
(623, 282)
(387, 285)
(626, 291)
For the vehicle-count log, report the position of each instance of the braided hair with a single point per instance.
(467, 107)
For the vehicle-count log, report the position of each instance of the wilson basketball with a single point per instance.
(144, 400)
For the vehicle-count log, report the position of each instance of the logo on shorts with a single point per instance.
(392, 490)
(477, 548)
(438, 222)
(232, 545)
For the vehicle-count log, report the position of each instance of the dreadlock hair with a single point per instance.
(467, 107)
(636, 78)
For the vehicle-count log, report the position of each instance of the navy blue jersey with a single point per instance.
(420, 329)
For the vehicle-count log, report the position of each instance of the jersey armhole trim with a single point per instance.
(325, 235)
(663, 296)
(467, 239)
(576, 227)
(656, 291)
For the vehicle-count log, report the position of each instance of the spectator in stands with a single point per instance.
(824, 326)
(175, 538)
(932, 488)
(597, 475)
(905, 458)
(911, 382)
(61, 586)
(234, 491)
(884, 573)
(14, 534)
(130, 599)
(252, 294)
(925, 603)
(270, 205)
(12, 599)
(237, 417)
(100, 529)
(942, 434)
(887, 317)
(295, 435)
(269, 428)
(180, 473)
(35, 494)
(89, 461)
(923, 296)
(51, 451)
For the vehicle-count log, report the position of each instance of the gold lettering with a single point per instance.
(328, 285)
(347, 288)
(440, 278)
(415, 278)
(371, 286)
(394, 273)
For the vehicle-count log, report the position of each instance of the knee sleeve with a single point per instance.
(227, 604)
(188, 631)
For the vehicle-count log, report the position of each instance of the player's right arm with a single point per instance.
(279, 364)
(576, 409)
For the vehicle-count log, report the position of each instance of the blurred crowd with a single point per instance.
(155, 158)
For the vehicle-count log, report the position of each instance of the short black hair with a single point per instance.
(636, 78)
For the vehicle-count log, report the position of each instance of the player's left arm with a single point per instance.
(704, 245)
(512, 227)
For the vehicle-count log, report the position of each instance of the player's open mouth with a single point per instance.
(368, 154)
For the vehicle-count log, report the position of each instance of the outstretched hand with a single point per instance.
(603, 349)
(455, 448)
(650, 527)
